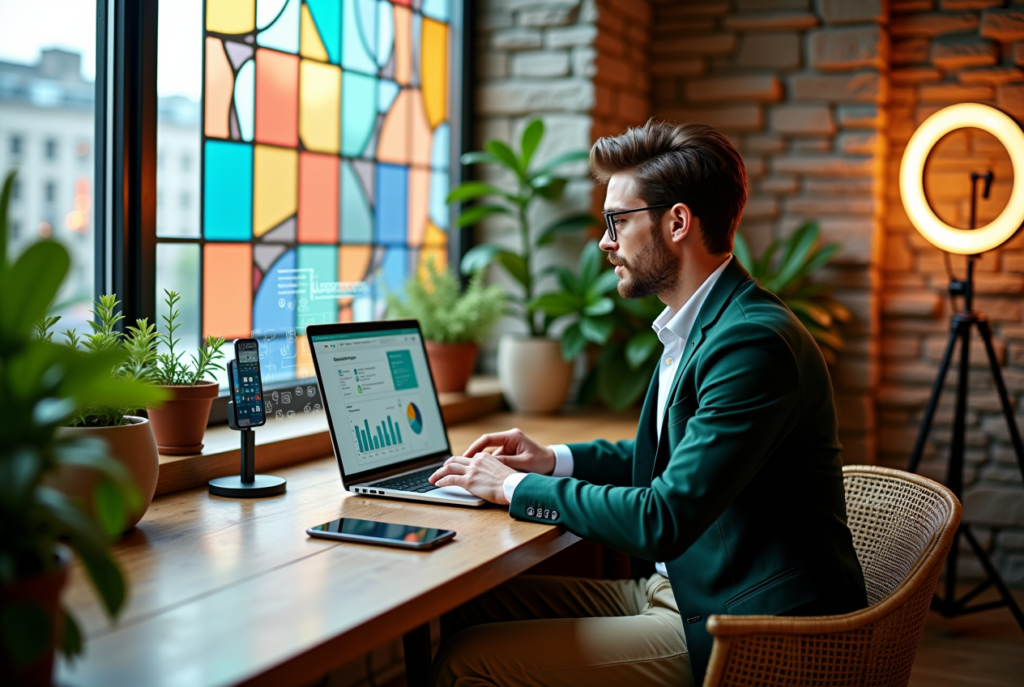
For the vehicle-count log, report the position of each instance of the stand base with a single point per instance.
(234, 487)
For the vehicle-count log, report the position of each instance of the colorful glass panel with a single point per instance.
(325, 164)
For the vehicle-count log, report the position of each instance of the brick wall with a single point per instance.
(801, 91)
(959, 50)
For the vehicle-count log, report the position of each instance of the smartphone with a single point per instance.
(246, 384)
(381, 533)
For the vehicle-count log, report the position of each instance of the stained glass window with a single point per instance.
(325, 163)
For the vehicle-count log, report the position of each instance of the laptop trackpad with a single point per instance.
(454, 492)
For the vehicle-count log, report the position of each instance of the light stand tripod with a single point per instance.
(960, 329)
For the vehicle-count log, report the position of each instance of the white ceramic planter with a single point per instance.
(532, 374)
(133, 446)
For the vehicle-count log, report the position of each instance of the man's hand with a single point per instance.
(517, 451)
(482, 475)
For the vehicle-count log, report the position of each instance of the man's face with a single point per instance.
(643, 261)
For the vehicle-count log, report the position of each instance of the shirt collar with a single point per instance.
(671, 324)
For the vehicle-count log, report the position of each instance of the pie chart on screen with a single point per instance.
(415, 418)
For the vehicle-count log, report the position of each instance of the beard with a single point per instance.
(653, 270)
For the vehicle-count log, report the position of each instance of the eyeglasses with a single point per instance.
(609, 217)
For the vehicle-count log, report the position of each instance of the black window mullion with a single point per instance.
(133, 189)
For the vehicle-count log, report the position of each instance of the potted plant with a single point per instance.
(453, 323)
(129, 437)
(44, 384)
(180, 423)
(790, 277)
(534, 377)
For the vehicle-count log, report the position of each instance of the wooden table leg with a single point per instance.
(417, 656)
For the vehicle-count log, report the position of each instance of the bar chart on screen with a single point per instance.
(387, 427)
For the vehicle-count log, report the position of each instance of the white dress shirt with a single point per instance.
(673, 329)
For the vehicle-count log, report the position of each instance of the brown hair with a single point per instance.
(680, 163)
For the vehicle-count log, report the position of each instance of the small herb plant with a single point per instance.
(445, 314)
(138, 344)
(170, 369)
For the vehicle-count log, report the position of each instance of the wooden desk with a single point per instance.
(228, 591)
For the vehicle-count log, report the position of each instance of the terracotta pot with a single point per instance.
(451, 364)
(45, 591)
(180, 423)
(132, 445)
(532, 374)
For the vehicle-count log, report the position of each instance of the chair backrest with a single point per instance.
(903, 526)
(894, 519)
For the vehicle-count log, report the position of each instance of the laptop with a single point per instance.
(382, 410)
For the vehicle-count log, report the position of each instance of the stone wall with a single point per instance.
(801, 91)
(960, 50)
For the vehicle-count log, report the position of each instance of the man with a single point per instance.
(733, 485)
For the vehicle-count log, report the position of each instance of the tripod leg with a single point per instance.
(993, 574)
(933, 402)
(997, 376)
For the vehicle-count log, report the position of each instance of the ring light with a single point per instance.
(946, 237)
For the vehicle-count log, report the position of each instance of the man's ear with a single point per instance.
(681, 222)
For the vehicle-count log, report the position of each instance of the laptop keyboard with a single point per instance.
(414, 481)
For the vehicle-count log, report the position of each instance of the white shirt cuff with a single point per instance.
(510, 484)
(563, 460)
(563, 468)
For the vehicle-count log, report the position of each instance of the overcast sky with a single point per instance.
(28, 26)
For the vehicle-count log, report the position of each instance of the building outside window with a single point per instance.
(47, 72)
(16, 190)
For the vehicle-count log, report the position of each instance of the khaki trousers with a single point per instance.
(539, 630)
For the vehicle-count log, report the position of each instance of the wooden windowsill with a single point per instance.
(298, 439)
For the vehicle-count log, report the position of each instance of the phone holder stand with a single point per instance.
(247, 485)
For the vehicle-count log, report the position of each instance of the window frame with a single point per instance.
(125, 158)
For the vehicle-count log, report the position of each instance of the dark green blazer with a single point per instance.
(742, 494)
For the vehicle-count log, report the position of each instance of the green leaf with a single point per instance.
(472, 189)
(478, 212)
(597, 329)
(618, 386)
(549, 188)
(109, 506)
(505, 156)
(35, 278)
(605, 282)
(26, 631)
(568, 281)
(591, 262)
(741, 251)
(479, 257)
(532, 135)
(478, 157)
(602, 306)
(567, 224)
(762, 266)
(640, 347)
(71, 635)
(796, 254)
(564, 158)
(557, 304)
(812, 311)
(573, 342)
(515, 265)
(820, 259)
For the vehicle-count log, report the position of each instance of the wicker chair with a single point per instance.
(902, 526)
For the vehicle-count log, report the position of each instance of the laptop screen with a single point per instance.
(379, 397)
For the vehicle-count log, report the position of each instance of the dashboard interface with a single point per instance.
(380, 396)
(249, 410)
